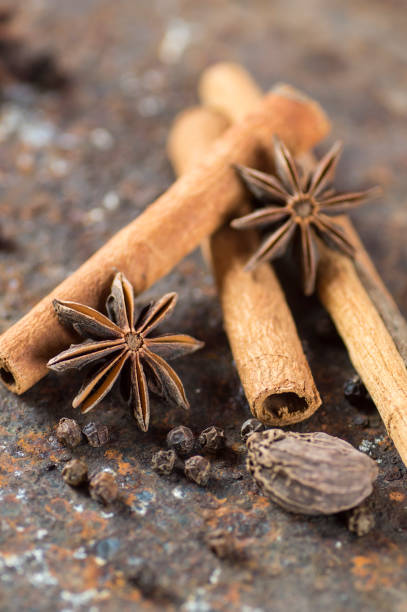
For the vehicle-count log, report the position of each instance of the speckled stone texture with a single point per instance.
(75, 166)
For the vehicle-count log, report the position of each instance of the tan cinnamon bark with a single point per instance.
(368, 320)
(370, 346)
(171, 227)
(226, 81)
(268, 354)
(378, 293)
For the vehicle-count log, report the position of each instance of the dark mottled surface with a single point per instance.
(75, 166)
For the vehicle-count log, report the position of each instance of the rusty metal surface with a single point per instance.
(77, 165)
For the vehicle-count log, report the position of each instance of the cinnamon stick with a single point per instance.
(371, 348)
(268, 354)
(171, 227)
(378, 293)
(368, 320)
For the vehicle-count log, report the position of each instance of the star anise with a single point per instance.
(121, 340)
(301, 204)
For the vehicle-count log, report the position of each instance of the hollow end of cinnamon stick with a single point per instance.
(7, 377)
(282, 408)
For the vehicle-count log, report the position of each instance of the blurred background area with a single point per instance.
(113, 74)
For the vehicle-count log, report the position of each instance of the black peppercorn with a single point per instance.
(68, 432)
(181, 440)
(103, 487)
(361, 520)
(212, 439)
(250, 426)
(356, 393)
(197, 468)
(75, 472)
(97, 435)
(223, 544)
(163, 461)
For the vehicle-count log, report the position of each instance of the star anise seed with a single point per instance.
(301, 204)
(121, 342)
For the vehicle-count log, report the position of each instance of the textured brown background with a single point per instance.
(76, 166)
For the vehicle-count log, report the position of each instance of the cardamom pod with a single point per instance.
(311, 473)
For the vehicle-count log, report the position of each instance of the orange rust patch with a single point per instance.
(3, 481)
(128, 499)
(9, 464)
(273, 534)
(33, 443)
(375, 571)
(260, 502)
(92, 524)
(225, 511)
(76, 575)
(117, 581)
(123, 468)
(397, 496)
(59, 508)
(134, 595)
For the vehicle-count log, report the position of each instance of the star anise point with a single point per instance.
(300, 204)
(121, 343)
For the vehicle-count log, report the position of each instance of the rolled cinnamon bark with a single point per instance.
(226, 81)
(368, 320)
(371, 348)
(268, 354)
(171, 227)
(378, 293)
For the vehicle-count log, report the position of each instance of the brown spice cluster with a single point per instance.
(69, 433)
(182, 444)
(102, 486)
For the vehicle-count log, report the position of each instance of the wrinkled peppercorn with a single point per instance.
(163, 461)
(68, 432)
(361, 520)
(250, 426)
(103, 487)
(75, 472)
(97, 435)
(356, 393)
(197, 468)
(181, 440)
(212, 438)
(223, 544)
